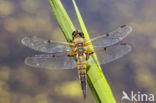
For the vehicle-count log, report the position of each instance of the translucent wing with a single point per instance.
(109, 54)
(48, 61)
(112, 37)
(46, 46)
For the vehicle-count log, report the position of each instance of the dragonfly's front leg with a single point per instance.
(89, 51)
(71, 54)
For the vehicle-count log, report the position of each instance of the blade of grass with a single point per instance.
(95, 77)
(62, 19)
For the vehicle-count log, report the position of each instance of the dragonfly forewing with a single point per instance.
(112, 37)
(49, 61)
(46, 46)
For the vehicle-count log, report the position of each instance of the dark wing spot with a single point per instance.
(104, 49)
(123, 44)
(53, 55)
(48, 41)
(123, 26)
(107, 34)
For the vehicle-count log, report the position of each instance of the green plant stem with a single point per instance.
(62, 18)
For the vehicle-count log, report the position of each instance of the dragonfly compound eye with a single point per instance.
(81, 34)
(74, 33)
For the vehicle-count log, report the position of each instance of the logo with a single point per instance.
(137, 97)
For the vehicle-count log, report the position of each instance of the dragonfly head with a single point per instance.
(76, 34)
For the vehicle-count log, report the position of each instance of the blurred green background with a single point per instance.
(22, 84)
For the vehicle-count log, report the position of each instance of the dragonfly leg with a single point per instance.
(89, 51)
(71, 53)
(87, 44)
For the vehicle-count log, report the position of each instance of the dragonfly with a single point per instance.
(58, 55)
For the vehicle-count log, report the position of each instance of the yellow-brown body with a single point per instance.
(81, 54)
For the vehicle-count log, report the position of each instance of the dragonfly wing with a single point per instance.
(46, 46)
(109, 54)
(49, 61)
(112, 37)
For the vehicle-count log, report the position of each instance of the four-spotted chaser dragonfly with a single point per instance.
(68, 55)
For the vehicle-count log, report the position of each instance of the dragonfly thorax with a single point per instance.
(80, 51)
(80, 44)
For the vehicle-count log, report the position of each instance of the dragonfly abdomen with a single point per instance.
(81, 64)
(82, 77)
(83, 83)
